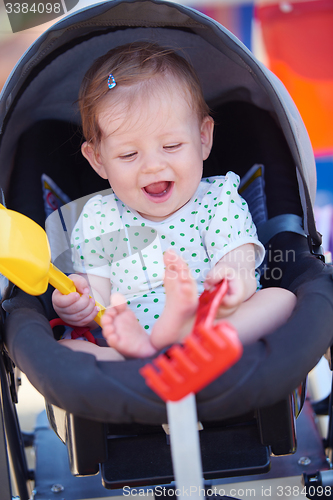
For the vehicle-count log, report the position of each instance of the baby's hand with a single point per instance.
(236, 288)
(77, 308)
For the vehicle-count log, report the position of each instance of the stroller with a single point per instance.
(249, 411)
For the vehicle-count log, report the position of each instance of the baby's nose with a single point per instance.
(153, 164)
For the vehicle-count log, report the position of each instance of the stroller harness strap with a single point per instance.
(285, 222)
(78, 331)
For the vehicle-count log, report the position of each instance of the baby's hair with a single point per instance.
(138, 63)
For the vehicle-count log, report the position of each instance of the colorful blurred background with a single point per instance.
(293, 38)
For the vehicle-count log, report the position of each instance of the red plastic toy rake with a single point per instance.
(182, 371)
(204, 355)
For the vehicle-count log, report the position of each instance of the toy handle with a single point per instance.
(65, 286)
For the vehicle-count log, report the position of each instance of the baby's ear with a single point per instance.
(207, 129)
(92, 155)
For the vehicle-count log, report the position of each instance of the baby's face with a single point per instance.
(153, 154)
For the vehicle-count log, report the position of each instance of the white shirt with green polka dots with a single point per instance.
(112, 240)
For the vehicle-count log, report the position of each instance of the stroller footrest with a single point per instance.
(145, 460)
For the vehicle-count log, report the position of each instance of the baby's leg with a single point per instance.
(262, 313)
(101, 353)
(123, 332)
(181, 303)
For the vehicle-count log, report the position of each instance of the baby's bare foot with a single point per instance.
(181, 302)
(122, 331)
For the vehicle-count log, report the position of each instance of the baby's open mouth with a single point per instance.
(158, 189)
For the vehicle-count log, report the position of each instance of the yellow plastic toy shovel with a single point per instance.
(25, 257)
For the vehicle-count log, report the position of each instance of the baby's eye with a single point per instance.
(128, 156)
(173, 147)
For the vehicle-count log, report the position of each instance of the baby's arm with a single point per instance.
(77, 308)
(238, 268)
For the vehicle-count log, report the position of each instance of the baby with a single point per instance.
(165, 234)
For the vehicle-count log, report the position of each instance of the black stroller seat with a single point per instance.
(257, 127)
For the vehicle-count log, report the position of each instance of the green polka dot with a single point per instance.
(202, 221)
(217, 231)
(93, 251)
(171, 227)
(156, 316)
(146, 310)
(236, 216)
(213, 244)
(182, 234)
(133, 261)
(155, 300)
(194, 254)
(81, 257)
(154, 275)
(182, 220)
(224, 219)
(139, 305)
(228, 192)
(85, 215)
(172, 243)
(92, 227)
(146, 327)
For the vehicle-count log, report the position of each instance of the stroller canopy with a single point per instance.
(44, 86)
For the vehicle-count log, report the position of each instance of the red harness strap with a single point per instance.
(77, 331)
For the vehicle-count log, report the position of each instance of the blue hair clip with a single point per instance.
(111, 81)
